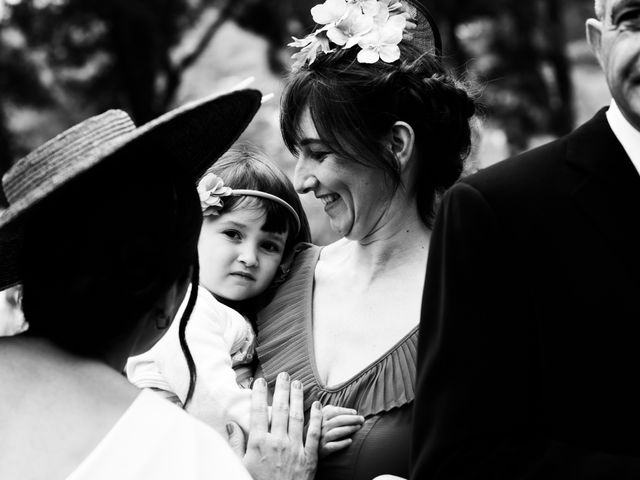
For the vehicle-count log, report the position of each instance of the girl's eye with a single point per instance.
(271, 247)
(232, 234)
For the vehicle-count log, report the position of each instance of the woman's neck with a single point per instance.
(403, 242)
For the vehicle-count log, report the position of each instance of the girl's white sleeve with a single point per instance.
(211, 332)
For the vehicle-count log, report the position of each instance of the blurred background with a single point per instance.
(64, 60)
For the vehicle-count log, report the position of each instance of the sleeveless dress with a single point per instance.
(383, 392)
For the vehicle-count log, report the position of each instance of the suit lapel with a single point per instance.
(609, 186)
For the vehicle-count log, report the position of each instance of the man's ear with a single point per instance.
(594, 37)
(402, 143)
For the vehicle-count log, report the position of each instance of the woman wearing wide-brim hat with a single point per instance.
(101, 230)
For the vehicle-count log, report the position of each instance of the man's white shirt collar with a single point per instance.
(626, 134)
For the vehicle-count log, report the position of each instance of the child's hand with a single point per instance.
(338, 424)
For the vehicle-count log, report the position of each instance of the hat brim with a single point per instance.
(198, 133)
(195, 134)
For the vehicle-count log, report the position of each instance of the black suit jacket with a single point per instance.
(529, 355)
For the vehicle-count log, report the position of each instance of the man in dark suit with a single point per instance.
(529, 356)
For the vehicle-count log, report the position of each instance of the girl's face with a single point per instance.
(238, 259)
(355, 196)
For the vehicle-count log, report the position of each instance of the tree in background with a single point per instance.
(517, 52)
(113, 53)
(95, 54)
(80, 57)
(20, 84)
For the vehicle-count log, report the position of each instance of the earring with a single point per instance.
(162, 320)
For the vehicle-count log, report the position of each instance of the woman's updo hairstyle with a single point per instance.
(353, 107)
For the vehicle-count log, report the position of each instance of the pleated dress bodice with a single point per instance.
(383, 392)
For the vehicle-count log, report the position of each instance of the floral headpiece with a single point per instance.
(211, 190)
(376, 26)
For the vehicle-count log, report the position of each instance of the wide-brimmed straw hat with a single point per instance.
(195, 135)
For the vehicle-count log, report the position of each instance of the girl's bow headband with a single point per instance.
(211, 190)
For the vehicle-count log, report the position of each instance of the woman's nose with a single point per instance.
(303, 179)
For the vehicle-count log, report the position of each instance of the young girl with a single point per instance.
(252, 221)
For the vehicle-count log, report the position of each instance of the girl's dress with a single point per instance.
(221, 342)
(155, 439)
(383, 392)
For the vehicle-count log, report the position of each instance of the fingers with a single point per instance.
(333, 447)
(339, 433)
(342, 421)
(280, 407)
(236, 439)
(296, 411)
(313, 433)
(259, 422)
(336, 431)
(331, 411)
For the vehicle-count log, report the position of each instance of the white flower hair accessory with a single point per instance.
(211, 190)
(376, 26)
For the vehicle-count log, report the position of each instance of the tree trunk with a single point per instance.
(562, 113)
(6, 158)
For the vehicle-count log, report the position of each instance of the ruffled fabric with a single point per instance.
(284, 344)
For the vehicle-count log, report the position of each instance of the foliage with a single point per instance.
(108, 53)
(84, 56)
(516, 51)
(80, 57)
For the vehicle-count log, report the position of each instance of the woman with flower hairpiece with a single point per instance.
(380, 130)
(102, 230)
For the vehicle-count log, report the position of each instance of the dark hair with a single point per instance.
(100, 252)
(353, 106)
(246, 167)
(182, 331)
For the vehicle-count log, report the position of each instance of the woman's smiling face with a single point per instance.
(355, 196)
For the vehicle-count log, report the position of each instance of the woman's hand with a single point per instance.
(278, 452)
(338, 424)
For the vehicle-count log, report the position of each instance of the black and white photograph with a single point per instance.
(319, 239)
